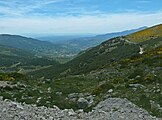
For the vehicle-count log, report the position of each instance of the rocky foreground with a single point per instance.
(110, 109)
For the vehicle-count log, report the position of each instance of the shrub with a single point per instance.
(103, 88)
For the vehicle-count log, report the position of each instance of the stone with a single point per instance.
(38, 99)
(71, 112)
(137, 86)
(109, 109)
(158, 90)
(82, 103)
(73, 95)
(90, 100)
(49, 90)
(110, 91)
(59, 93)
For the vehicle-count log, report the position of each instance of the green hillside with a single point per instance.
(110, 51)
(14, 59)
(40, 48)
(11, 56)
(100, 56)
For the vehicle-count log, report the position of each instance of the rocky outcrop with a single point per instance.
(119, 109)
(110, 109)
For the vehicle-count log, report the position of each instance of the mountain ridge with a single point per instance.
(146, 34)
(98, 39)
(83, 43)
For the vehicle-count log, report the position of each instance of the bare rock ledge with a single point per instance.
(110, 109)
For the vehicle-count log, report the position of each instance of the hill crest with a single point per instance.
(146, 34)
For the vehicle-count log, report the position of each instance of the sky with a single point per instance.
(60, 17)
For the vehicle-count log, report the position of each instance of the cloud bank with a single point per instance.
(75, 17)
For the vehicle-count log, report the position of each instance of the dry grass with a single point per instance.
(146, 34)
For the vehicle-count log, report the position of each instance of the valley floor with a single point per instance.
(109, 109)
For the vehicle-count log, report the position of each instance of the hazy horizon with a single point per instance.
(75, 35)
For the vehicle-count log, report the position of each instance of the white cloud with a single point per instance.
(83, 24)
(18, 8)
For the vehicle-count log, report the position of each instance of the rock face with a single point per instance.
(110, 109)
(119, 109)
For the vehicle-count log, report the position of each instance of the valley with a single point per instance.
(83, 42)
(116, 68)
(37, 47)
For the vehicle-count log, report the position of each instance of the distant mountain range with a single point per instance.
(82, 43)
(123, 33)
(88, 42)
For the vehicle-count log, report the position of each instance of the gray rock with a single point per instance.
(49, 90)
(137, 86)
(90, 100)
(82, 103)
(73, 95)
(110, 91)
(109, 109)
(118, 109)
(158, 90)
(59, 93)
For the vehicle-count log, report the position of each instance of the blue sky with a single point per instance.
(77, 16)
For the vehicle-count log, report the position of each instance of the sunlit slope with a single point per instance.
(147, 34)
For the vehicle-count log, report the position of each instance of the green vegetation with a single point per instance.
(137, 81)
(13, 59)
(113, 69)
(37, 47)
(93, 59)
(130, 75)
